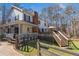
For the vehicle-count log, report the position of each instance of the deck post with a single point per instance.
(17, 38)
(38, 48)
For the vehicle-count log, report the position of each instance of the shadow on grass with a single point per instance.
(30, 48)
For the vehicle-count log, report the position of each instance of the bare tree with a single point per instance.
(68, 13)
(57, 18)
(51, 14)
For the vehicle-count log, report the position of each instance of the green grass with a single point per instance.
(31, 47)
(24, 49)
(73, 48)
(32, 51)
(76, 43)
(49, 42)
(59, 52)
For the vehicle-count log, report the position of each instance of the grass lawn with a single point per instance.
(32, 49)
(49, 42)
(73, 48)
(76, 43)
(32, 52)
(24, 49)
(59, 52)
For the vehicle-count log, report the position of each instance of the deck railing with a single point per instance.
(23, 39)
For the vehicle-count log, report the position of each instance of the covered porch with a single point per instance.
(18, 27)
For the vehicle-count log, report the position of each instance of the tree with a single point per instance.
(59, 17)
(3, 13)
(68, 14)
(51, 14)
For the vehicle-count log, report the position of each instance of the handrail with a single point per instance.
(63, 35)
(57, 35)
(59, 43)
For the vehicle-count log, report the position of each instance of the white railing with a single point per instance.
(57, 38)
(9, 35)
(63, 35)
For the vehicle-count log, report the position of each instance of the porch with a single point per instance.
(18, 27)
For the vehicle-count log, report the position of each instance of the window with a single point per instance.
(8, 30)
(9, 20)
(42, 30)
(26, 18)
(44, 24)
(16, 30)
(28, 29)
(17, 17)
(30, 18)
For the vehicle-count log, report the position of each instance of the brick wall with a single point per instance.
(35, 21)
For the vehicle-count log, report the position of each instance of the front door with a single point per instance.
(16, 30)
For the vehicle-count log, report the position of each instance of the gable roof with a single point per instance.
(21, 10)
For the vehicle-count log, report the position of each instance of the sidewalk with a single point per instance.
(6, 49)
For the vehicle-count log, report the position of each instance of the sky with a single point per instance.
(39, 6)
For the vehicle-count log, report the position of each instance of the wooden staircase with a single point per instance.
(60, 38)
(57, 38)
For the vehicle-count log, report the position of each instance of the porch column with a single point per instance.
(19, 26)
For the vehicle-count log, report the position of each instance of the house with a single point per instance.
(43, 26)
(20, 21)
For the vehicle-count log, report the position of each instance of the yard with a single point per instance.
(59, 52)
(30, 49)
(74, 46)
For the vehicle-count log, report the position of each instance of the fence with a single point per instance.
(25, 39)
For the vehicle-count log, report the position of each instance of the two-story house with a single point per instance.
(20, 21)
(43, 26)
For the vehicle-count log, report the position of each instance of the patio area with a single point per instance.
(7, 49)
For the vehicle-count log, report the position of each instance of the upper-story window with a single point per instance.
(27, 18)
(24, 17)
(31, 19)
(9, 20)
(17, 17)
